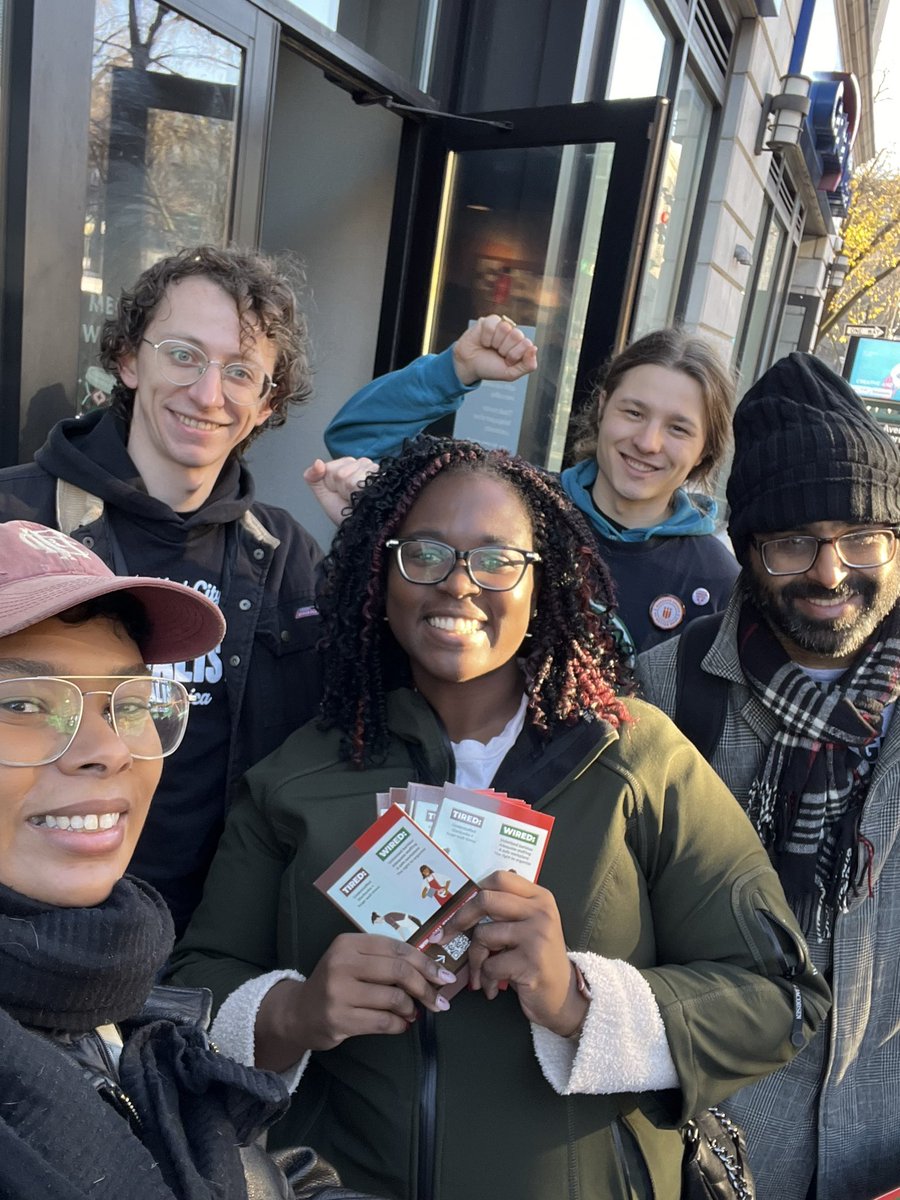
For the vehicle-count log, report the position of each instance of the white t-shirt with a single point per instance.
(477, 762)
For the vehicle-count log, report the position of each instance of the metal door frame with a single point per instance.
(638, 129)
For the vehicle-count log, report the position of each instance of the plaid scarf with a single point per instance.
(807, 800)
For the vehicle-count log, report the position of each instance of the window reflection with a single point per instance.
(399, 34)
(164, 97)
(642, 54)
(519, 236)
(762, 296)
(674, 209)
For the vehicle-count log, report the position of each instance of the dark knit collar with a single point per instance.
(75, 968)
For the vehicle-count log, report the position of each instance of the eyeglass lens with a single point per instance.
(497, 568)
(182, 363)
(794, 555)
(40, 717)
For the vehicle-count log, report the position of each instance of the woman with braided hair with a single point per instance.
(644, 980)
(358, 666)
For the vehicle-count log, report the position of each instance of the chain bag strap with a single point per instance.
(715, 1163)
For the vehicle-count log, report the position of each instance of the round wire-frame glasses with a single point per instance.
(183, 364)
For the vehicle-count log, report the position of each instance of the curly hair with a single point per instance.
(677, 350)
(573, 668)
(265, 292)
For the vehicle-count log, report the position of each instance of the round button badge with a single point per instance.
(666, 612)
(700, 596)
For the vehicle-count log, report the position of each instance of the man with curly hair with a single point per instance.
(207, 350)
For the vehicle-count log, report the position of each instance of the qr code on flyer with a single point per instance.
(458, 946)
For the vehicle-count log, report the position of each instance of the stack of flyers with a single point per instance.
(490, 831)
(425, 849)
(395, 881)
(482, 831)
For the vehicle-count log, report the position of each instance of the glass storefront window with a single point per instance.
(763, 295)
(518, 236)
(674, 209)
(398, 33)
(164, 99)
(642, 53)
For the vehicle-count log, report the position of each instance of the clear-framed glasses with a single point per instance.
(494, 568)
(862, 549)
(182, 363)
(40, 716)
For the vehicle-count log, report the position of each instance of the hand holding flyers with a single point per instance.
(383, 872)
(362, 984)
(517, 936)
(379, 881)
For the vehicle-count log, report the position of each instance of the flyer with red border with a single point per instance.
(485, 832)
(394, 880)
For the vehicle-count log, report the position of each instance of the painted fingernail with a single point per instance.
(443, 1003)
(446, 976)
(436, 936)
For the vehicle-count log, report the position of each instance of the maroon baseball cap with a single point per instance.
(43, 572)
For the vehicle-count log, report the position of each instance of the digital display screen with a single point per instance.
(872, 368)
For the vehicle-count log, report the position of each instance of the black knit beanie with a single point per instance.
(806, 450)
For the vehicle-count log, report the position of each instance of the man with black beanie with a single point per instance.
(805, 671)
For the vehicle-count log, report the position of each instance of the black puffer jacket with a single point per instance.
(83, 481)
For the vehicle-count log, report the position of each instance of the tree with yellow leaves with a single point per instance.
(870, 294)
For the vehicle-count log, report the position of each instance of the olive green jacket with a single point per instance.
(651, 861)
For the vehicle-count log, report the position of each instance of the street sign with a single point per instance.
(869, 331)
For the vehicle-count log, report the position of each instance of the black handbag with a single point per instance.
(297, 1173)
(715, 1163)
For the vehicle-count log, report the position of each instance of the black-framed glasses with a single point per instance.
(494, 568)
(862, 549)
(183, 363)
(41, 715)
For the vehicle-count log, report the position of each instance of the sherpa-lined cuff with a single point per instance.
(622, 1047)
(235, 1023)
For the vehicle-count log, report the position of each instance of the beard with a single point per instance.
(838, 638)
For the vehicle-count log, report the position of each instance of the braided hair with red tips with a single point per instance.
(573, 669)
